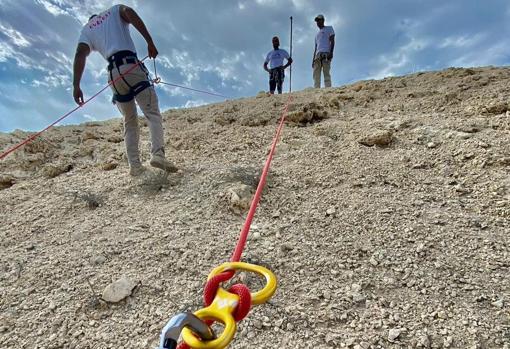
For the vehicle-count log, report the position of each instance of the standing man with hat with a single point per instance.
(108, 33)
(323, 53)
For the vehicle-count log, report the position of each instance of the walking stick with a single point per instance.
(290, 71)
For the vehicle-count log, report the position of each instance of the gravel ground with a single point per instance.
(385, 219)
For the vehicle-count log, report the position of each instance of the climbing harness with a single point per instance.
(321, 57)
(115, 62)
(225, 306)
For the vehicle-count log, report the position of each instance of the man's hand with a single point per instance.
(153, 51)
(330, 56)
(289, 62)
(78, 95)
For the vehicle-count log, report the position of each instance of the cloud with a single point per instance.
(90, 117)
(461, 41)
(15, 37)
(52, 8)
(194, 103)
(403, 58)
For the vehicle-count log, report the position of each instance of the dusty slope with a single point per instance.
(408, 242)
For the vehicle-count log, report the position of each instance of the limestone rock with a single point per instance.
(379, 138)
(118, 290)
(239, 197)
(55, 170)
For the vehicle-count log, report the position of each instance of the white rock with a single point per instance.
(97, 260)
(448, 341)
(356, 287)
(498, 303)
(374, 261)
(393, 334)
(118, 290)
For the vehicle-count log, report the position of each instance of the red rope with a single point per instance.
(212, 285)
(35, 135)
(236, 256)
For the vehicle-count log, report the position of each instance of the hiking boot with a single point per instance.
(136, 171)
(162, 163)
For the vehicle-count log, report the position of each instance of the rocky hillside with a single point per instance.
(386, 219)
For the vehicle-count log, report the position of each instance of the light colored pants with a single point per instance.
(147, 100)
(321, 64)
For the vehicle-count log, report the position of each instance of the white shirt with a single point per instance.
(322, 39)
(107, 33)
(275, 58)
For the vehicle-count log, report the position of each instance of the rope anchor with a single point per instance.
(226, 307)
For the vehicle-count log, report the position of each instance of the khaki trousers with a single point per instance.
(147, 100)
(321, 64)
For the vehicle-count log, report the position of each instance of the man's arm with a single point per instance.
(80, 59)
(289, 62)
(314, 53)
(130, 16)
(332, 43)
(265, 67)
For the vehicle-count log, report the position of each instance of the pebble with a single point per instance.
(97, 260)
(358, 298)
(448, 342)
(330, 211)
(374, 261)
(356, 287)
(118, 290)
(498, 304)
(286, 247)
(393, 334)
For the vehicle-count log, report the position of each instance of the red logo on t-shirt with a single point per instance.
(98, 20)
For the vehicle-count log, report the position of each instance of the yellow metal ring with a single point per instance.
(220, 310)
(258, 297)
(224, 305)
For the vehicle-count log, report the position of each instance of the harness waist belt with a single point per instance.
(120, 58)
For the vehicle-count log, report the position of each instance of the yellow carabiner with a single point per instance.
(224, 305)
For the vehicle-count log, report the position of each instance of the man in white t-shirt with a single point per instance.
(323, 53)
(276, 68)
(108, 33)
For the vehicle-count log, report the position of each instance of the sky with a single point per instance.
(220, 46)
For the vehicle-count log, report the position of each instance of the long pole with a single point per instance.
(290, 78)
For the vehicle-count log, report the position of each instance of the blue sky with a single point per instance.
(220, 45)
